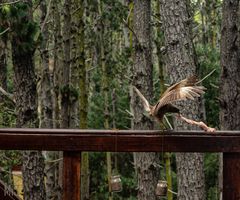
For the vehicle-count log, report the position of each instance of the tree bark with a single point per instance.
(57, 61)
(74, 71)
(65, 88)
(181, 64)
(46, 103)
(105, 90)
(79, 80)
(3, 67)
(230, 62)
(146, 164)
(57, 66)
(46, 81)
(26, 106)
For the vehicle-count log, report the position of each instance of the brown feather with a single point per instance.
(185, 82)
(183, 90)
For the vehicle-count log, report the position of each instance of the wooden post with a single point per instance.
(231, 176)
(71, 175)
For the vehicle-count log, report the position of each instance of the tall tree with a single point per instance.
(181, 64)
(65, 88)
(159, 42)
(105, 87)
(145, 163)
(56, 64)
(23, 48)
(46, 100)
(230, 61)
(79, 81)
(46, 120)
(57, 61)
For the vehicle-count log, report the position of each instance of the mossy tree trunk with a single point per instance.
(56, 65)
(79, 80)
(105, 89)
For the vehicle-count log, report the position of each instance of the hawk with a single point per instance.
(183, 90)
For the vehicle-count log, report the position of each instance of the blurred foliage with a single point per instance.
(98, 176)
(211, 164)
(15, 18)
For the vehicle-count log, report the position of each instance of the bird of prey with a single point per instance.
(183, 90)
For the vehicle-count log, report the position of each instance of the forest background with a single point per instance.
(72, 64)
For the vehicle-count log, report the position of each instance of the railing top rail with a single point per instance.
(115, 131)
(119, 140)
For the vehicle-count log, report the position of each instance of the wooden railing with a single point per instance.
(72, 142)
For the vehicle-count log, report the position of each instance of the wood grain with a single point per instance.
(119, 141)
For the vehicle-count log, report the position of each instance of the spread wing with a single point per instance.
(185, 89)
(144, 100)
(192, 80)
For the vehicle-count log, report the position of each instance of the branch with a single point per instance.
(127, 25)
(129, 13)
(9, 3)
(168, 122)
(206, 76)
(6, 30)
(8, 95)
(46, 17)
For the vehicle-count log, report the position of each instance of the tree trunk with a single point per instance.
(65, 88)
(230, 61)
(105, 91)
(4, 117)
(146, 164)
(57, 61)
(23, 48)
(74, 72)
(25, 94)
(3, 67)
(26, 106)
(80, 82)
(46, 103)
(159, 43)
(46, 84)
(57, 64)
(181, 64)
